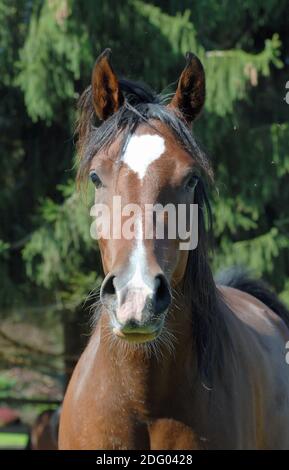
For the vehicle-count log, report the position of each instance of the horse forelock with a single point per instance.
(142, 105)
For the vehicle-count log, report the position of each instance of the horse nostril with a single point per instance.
(162, 294)
(107, 288)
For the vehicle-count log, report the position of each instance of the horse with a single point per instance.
(43, 434)
(176, 360)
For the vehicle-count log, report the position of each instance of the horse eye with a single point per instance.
(191, 183)
(95, 179)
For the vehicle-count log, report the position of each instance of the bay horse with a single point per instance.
(175, 360)
(43, 434)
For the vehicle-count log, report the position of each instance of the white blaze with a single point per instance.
(141, 151)
(132, 297)
(138, 259)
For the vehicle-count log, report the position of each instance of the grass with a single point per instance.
(8, 440)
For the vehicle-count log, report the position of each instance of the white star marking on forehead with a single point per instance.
(141, 151)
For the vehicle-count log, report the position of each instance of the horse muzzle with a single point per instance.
(136, 311)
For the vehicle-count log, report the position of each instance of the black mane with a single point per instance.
(144, 105)
(137, 92)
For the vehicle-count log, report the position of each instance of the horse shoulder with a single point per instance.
(260, 336)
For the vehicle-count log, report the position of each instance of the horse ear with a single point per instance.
(190, 94)
(106, 93)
